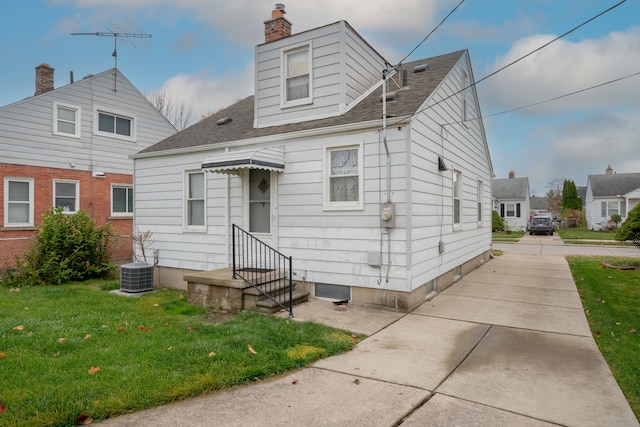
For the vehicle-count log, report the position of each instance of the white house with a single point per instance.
(511, 200)
(610, 194)
(69, 147)
(380, 207)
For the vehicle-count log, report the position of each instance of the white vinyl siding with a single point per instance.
(66, 196)
(343, 172)
(66, 120)
(195, 201)
(121, 200)
(18, 202)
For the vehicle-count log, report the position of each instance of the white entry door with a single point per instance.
(260, 205)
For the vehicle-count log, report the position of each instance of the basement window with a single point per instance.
(337, 292)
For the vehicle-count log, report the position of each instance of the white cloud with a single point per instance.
(564, 67)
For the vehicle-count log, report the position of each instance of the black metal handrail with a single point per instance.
(263, 267)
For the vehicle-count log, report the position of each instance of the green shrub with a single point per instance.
(630, 228)
(497, 224)
(64, 248)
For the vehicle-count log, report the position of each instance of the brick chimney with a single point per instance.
(609, 170)
(278, 27)
(512, 174)
(44, 79)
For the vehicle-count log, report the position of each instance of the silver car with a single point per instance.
(541, 223)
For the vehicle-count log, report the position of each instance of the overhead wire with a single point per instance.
(516, 61)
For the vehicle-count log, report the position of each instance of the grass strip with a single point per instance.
(76, 350)
(611, 300)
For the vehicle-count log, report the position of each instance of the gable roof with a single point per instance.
(510, 188)
(538, 203)
(407, 101)
(613, 185)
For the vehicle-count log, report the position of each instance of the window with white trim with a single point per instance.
(114, 124)
(121, 200)
(480, 191)
(510, 210)
(195, 200)
(18, 202)
(65, 196)
(344, 177)
(296, 73)
(614, 208)
(66, 120)
(457, 197)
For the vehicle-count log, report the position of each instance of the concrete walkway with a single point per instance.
(507, 345)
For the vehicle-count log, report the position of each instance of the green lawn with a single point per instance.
(579, 234)
(76, 350)
(503, 236)
(611, 300)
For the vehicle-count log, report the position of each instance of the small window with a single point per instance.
(297, 76)
(121, 200)
(66, 120)
(18, 202)
(114, 124)
(343, 171)
(457, 196)
(480, 191)
(65, 196)
(195, 200)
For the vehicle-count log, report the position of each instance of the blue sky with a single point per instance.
(202, 51)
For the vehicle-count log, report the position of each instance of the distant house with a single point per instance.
(511, 200)
(610, 194)
(69, 147)
(538, 205)
(379, 211)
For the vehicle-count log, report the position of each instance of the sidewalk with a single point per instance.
(507, 345)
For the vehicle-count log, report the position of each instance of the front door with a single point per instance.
(260, 205)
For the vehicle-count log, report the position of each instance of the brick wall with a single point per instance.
(95, 200)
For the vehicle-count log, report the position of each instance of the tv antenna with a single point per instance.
(115, 36)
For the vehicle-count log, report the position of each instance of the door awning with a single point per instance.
(268, 158)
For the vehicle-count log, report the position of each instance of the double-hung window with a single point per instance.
(195, 203)
(613, 208)
(18, 202)
(297, 77)
(457, 197)
(65, 196)
(121, 200)
(66, 120)
(343, 177)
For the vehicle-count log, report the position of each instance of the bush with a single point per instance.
(575, 218)
(64, 248)
(630, 228)
(497, 224)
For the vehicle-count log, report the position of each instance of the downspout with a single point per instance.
(227, 218)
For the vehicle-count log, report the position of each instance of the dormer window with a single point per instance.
(297, 76)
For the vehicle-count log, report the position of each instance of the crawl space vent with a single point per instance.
(136, 277)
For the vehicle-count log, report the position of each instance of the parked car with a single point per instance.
(541, 223)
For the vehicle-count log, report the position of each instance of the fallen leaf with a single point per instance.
(87, 421)
(61, 340)
(126, 324)
(3, 407)
(170, 348)
(166, 324)
(356, 381)
(189, 329)
(294, 382)
(213, 353)
(632, 330)
(354, 338)
(94, 370)
(56, 354)
(603, 301)
(597, 332)
(618, 323)
(3, 354)
(156, 305)
(181, 296)
(83, 419)
(121, 328)
(104, 326)
(86, 337)
(251, 350)
(142, 328)
(30, 333)
(19, 328)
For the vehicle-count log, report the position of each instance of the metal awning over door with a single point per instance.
(267, 158)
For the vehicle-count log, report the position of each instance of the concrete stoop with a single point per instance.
(219, 293)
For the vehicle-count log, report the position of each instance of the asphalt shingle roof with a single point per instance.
(612, 185)
(406, 102)
(509, 188)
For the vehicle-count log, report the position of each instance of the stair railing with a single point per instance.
(263, 267)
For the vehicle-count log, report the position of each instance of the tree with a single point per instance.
(570, 198)
(497, 222)
(177, 112)
(630, 228)
(554, 195)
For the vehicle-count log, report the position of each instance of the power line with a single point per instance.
(432, 31)
(519, 59)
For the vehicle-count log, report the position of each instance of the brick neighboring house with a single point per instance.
(69, 147)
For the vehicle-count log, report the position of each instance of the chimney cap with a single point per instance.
(280, 6)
